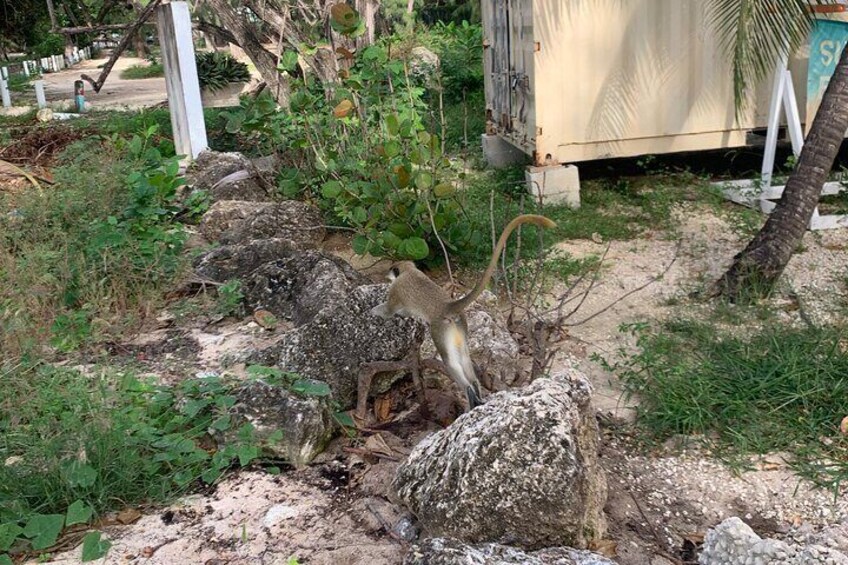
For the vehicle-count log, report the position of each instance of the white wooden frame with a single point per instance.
(760, 193)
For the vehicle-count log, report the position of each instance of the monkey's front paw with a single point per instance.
(381, 310)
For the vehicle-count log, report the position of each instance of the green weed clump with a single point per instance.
(91, 251)
(152, 70)
(782, 389)
(77, 445)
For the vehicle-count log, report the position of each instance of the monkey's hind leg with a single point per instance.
(369, 370)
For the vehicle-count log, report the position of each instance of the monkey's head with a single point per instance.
(400, 267)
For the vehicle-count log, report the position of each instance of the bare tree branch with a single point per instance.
(122, 45)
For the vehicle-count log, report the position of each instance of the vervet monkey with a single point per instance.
(412, 293)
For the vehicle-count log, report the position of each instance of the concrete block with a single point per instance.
(500, 153)
(554, 185)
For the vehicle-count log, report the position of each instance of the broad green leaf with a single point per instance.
(6, 560)
(276, 436)
(273, 470)
(331, 189)
(222, 424)
(8, 534)
(415, 248)
(78, 513)
(192, 407)
(443, 189)
(392, 125)
(424, 180)
(44, 530)
(360, 245)
(359, 215)
(209, 476)
(424, 137)
(344, 419)
(246, 454)
(94, 546)
(311, 388)
(79, 474)
(392, 148)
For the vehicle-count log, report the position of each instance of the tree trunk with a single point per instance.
(758, 267)
(247, 38)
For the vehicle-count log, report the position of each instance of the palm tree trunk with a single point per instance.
(758, 267)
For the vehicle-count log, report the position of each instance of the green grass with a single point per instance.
(153, 70)
(781, 389)
(91, 253)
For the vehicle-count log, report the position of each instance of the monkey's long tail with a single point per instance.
(461, 304)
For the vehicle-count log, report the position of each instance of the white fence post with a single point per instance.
(4, 87)
(175, 37)
(39, 94)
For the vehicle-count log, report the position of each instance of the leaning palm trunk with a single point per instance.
(762, 262)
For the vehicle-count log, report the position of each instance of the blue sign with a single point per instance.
(827, 41)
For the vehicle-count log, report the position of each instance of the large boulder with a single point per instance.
(287, 426)
(522, 469)
(237, 222)
(734, 543)
(297, 285)
(339, 340)
(443, 551)
(489, 340)
(238, 261)
(225, 176)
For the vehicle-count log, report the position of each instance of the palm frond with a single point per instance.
(755, 34)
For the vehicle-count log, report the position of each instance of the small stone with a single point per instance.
(278, 513)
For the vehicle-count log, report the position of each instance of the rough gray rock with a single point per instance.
(489, 340)
(238, 261)
(211, 168)
(237, 221)
(443, 551)
(734, 543)
(299, 284)
(423, 63)
(304, 424)
(334, 345)
(522, 469)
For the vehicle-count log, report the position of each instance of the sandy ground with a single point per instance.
(336, 511)
(116, 92)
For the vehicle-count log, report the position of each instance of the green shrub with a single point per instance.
(143, 71)
(460, 50)
(215, 70)
(367, 157)
(51, 44)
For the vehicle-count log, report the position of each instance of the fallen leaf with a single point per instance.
(343, 109)
(128, 516)
(345, 53)
(376, 444)
(265, 319)
(605, 547)
(843, 427)
(148, 552)
(383, 407)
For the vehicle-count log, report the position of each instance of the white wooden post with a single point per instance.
(26, 68)
(39, 94)
(4, 87)
(175, 38)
